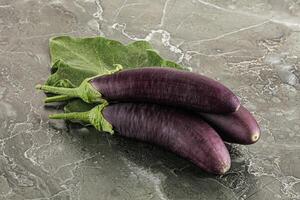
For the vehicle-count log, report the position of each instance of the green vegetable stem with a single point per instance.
(85, 90)
(93, 117)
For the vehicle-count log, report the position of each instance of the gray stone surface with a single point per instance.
(251, 46)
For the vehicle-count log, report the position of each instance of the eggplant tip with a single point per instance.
(224, 169)
(255, 137)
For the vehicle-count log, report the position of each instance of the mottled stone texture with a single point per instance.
(252, 47)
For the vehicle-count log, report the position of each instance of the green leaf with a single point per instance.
(86, 57)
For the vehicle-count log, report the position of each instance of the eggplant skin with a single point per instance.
(168, 87)
(182, 133)
(239, 127)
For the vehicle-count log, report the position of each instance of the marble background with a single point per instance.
(251, 46)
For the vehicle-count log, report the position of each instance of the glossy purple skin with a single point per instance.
(239, 127)
(168, 87)
(182, 133)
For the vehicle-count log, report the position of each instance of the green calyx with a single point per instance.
(93, 117)
(85, 91)
(88, 93)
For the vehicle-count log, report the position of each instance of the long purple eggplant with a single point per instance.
(164, 86)
(182, 133)
(239, 127)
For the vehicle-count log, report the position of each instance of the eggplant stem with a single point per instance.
(85, 91)
(82, 116)
(57, 98)
(71, 92)
(94, 117)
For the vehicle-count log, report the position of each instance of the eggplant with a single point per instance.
(239, 127)
(165, 86)
(178, 131)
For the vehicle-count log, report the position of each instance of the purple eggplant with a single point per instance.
(158, 85)
(178, 131)
(239, 127)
